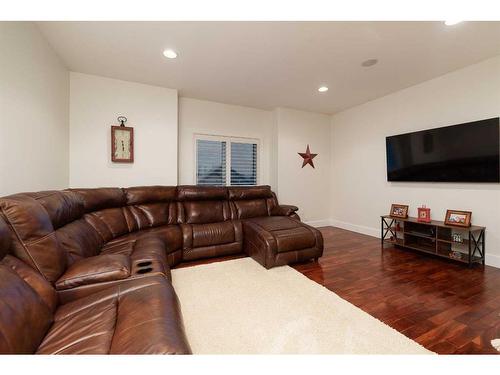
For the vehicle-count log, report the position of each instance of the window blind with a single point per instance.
(211, 162)
(243, 163)
(222, 161)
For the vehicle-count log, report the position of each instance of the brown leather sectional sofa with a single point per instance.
(88, 270)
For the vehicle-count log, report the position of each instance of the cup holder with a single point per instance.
(145, 270)
(144, 264)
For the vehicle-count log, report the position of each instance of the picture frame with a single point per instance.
(458, 218)
(424, 215)
(122, 144)
(399, 210)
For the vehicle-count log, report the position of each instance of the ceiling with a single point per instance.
(274, 64)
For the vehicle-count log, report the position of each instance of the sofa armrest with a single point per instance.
(97, 269)
(285, 210)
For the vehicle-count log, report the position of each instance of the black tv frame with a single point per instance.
(460, 163)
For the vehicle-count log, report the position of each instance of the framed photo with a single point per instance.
(458, 218)
(399, 211)
(424, 215)
(122, 144)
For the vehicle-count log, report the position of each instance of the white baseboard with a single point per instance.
(356, 228)
(319, 223)
(491, 260)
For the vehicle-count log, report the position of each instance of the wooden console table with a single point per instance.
(466, 245)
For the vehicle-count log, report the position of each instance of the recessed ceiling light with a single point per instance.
(451, 22)
(170, 54)
(369, 62)
(323, 89)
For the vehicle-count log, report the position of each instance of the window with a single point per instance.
(211, 162)
(222, 161)
(243, 163)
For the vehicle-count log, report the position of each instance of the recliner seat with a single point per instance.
(208, 229)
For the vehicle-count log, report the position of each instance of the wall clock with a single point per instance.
(122, 142)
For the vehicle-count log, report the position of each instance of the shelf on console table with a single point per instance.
(435, 238)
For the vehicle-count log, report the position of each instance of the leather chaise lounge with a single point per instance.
(93, 265)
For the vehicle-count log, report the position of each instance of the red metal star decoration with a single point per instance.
(308, 157)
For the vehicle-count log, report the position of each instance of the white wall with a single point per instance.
(34, 101)
(95, 103)
(360, 191)
(307, 188)
(205, 117)
(282, 134)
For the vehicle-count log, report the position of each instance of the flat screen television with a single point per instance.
(468, 152)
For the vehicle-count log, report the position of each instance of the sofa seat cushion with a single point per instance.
(170, 234)
(140, 317)
(294, 239)
(204, 252)
(279, 240)
(289, 234)
(97, 269)
(137, 255)
(211, 240)
(141, 249)
(84, 327)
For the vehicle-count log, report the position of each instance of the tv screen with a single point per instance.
(467, 152)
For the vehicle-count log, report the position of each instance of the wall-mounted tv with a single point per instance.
(468, 152)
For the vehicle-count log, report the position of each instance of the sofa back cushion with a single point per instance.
(28, 274)
(104, 212)
(247, 202)
(150, 206)
(205, 212)
(202, 205)
(35, 241)
(5, 240)
(150, 194)
(79, 240)
(109, 223)
(75, 236)
(34, 279)
(63, 207)
(27, 301)
(100, 198)
(114, 212)
(24, 316)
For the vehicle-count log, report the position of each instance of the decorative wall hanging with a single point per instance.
(308, 157)
(122, 142)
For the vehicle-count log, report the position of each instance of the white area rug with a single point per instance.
(239, 307)
(496, 344)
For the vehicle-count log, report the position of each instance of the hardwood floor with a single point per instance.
(445, 306)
